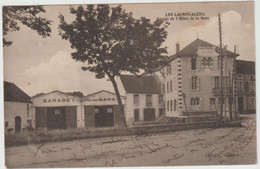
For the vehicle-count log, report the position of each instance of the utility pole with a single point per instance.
(221, 70)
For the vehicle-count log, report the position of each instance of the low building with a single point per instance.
(17, 108)
(143, 98)
(101, 109)
(57, 110)
(245, 86)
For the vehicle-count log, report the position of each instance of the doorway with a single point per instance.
(240, 104)
(18, 121)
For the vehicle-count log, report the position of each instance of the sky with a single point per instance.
(37, 64)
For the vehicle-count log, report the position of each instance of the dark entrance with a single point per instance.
(18, 121)
(56, 118)
(104, 116)
(149, 114)
(240, 104)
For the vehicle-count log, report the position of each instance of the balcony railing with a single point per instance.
(216, 91)
(246, 92)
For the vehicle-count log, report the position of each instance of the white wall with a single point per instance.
(13, 109)
(129, 106)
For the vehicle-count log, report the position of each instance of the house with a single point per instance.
(17, 108)
(193, 80)
(143, 98)
(245, 86)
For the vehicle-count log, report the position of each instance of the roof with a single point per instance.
(104, 91)
(55, 91)
(192, 48)
(245, 67)
(140, 84)
(13, 93)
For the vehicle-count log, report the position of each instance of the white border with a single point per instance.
(59, 2)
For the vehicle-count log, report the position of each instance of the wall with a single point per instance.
(13, 109)
(129, 106)
(205, 75)
(60, 99)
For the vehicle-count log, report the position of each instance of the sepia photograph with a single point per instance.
(129, 84)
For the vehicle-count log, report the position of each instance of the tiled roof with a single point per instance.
(245, 67)
(192, 48)
(140, 84)
(13, 93)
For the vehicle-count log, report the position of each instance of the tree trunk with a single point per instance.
(122, 119)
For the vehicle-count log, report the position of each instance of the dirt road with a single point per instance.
(213, 146)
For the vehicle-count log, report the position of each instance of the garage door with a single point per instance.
(149, 114)
(104, 116)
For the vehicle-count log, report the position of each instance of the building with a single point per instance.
(60, 110)
(193, 80)
(17, 108)
(245, 86)
(143, 98)
(101, 109)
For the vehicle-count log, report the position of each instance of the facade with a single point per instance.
(143, 99)
(17, 109)
(193, 80)
(101, 110)
(245, 87)
(59, 110)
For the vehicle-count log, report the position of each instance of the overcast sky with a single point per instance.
(37, 64)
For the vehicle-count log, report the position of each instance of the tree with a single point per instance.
(111, 41)
(27, 15)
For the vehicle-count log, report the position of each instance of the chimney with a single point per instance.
(177, 47)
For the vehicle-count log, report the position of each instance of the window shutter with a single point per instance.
(197, 63)
(198, 83)
(190, 82)
(189, 63)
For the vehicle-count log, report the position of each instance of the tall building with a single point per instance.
(193, 80)
(245, 86)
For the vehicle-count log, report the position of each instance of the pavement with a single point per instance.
(211, 146)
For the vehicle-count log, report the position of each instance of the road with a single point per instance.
(213, 146)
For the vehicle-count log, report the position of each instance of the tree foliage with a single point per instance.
(111, 41)
(27, 15)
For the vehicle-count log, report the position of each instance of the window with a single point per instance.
(207, 62)
(96, 110)
(239, 85)
(252, 102)
(216, 82)
(136, 115)
(148, 100)
(160, 99)
(160, 112)
(175, 105)
(167, 87)
(193, 63)
(57, 112)
(110, 110)
(171, 106)
(29, 123)
(6, 124)
(194, 83)
(212, 101)
(168, 105)
(219, 62)
(252, 86)
(219, 100)
(246, 87)
(171, 86)
(194, 101)
(136, 100)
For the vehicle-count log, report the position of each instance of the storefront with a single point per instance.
(101, 110)
(57, 110)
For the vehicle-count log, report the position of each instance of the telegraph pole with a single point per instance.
(221, 70)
